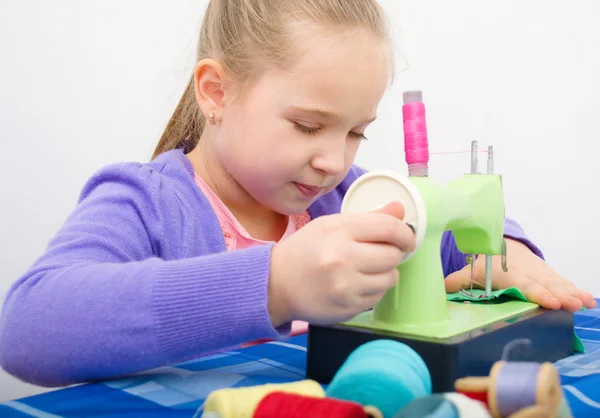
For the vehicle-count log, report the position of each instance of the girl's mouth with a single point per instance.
(308, 191)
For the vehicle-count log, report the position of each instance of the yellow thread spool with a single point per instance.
(242, 402)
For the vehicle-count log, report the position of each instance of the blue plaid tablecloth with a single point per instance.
(180, 391)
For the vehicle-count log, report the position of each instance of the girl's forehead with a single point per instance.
(332, 51)
(337, 77)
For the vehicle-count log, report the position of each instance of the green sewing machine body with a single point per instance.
(472, 207)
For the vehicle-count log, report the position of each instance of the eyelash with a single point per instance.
(312, 131)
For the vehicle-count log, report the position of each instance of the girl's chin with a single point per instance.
(291, 202)
(291, 208)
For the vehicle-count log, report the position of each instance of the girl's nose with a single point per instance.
(331, 160)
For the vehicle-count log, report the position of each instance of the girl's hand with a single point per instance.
(337, 266)
(527, 272)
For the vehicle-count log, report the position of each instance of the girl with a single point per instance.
(209, 245)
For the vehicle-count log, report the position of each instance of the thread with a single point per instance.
(242, 402)
(477, 396)
(517, 385)
(383, 373)
(511, 346)
(291, 405)
(456, 152)
(416, 147)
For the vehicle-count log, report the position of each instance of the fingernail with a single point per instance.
(411, 227)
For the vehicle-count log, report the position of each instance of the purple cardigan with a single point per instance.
(138, 277)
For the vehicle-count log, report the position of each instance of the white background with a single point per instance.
(88, 83)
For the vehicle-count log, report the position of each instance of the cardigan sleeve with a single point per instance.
(100, 303)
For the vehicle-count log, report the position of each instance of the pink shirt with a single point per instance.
(237, 238)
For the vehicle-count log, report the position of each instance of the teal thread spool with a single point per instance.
(383, 373)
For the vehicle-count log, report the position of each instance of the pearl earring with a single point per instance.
(211, 118)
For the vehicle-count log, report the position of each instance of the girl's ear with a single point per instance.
(209, 84)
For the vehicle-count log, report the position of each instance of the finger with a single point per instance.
(375, 258)
(382, 228)
(537, 293)
(568, 301)
(586, 298)
(395, 209)
(560, 288)
(374, 284)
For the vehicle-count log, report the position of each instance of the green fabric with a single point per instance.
(499, 296)
(478, 295)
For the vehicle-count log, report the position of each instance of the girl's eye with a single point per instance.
(305, 129)
(311, 131)
(357, 135)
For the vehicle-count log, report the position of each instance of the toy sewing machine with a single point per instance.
(455, 338)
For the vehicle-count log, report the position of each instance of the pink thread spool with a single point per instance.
(416, 147)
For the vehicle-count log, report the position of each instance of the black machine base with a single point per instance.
(470, 354)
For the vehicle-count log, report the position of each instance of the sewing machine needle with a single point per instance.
(470, 260)
(472, 273)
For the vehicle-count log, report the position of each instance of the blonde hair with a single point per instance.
(245, 36)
